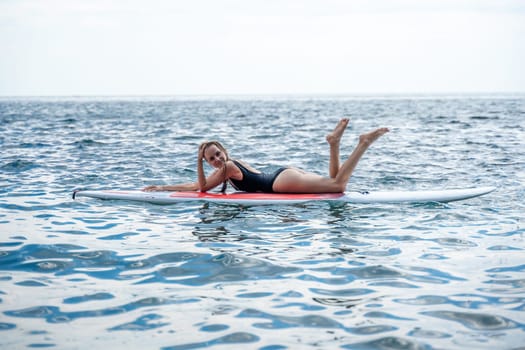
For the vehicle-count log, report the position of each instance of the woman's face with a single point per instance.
(215, 156)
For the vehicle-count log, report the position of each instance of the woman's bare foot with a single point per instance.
(335, 136)
(369, 138)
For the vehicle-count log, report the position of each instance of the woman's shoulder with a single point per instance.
(245, 165)
(232, 164)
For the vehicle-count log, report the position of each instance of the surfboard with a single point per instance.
(444, 196)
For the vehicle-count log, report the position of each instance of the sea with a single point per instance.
(89, 273)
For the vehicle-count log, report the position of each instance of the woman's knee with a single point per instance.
(338, 187)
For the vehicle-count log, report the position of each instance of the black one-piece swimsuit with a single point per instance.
(255, 182)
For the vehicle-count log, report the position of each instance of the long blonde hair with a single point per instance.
(207, 144)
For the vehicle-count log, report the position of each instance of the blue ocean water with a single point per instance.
(83, 273)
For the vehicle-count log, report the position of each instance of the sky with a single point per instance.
(254, 47)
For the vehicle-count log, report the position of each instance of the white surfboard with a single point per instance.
(286, 198)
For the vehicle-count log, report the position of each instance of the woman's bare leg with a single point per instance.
(334, 140)
(298, 181)
(349, 165)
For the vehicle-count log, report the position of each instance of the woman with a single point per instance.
(285, 180)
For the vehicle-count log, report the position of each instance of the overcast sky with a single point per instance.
(171, 47)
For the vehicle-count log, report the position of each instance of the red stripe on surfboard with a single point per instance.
(257, 196)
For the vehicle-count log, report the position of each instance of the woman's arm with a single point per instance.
(216, 178)
(181, 187)
(204, 183)
(200, 169)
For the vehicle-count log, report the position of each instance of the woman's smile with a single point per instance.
(215, 157)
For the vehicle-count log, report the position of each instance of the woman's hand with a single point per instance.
(200, 157)
(153, 188)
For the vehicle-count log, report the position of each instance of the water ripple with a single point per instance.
(184, 267)
(53, 314)
(389, 343)
(476, 321)
(307, 321)
(316, 275)
(234, 338)
(143, 323)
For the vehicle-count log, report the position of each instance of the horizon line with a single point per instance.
(271, 95)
